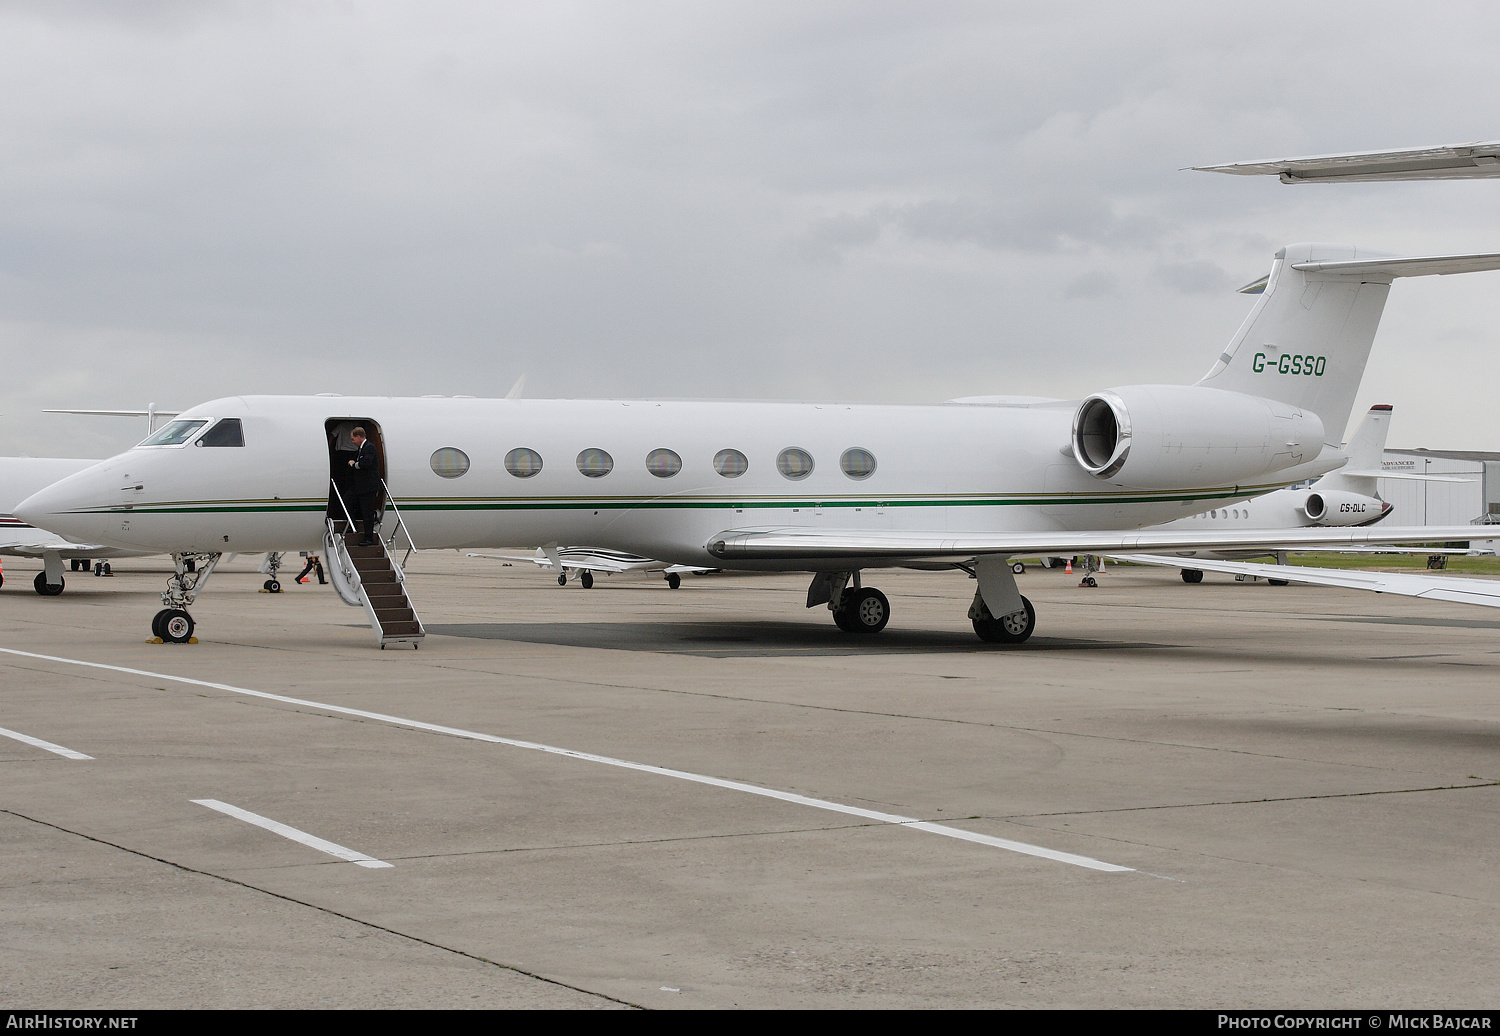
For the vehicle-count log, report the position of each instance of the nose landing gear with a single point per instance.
(173, 625)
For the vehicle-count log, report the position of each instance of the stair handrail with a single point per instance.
(411, 544)
(347, 516)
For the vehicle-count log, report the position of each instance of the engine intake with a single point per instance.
(1187, 436)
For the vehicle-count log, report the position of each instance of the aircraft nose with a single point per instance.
(65, 508)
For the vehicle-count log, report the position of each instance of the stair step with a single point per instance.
(401, 629)
(401, 614)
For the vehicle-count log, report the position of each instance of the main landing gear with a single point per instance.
(1015, 628)
(1192, 575)
(47, 589)
(173, 624)
(855, 609)
(674, 580)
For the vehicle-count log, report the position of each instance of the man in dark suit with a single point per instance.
(366, 485)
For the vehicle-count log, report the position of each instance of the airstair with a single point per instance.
(369, 576)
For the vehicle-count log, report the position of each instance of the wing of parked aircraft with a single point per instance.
(819, 545)
(1432, 586)
(1446, 162)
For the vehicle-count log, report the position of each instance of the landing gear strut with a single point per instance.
(272, 567)
(173, 624)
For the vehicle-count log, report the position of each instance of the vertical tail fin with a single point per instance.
(1365, 451)
(1307, 339)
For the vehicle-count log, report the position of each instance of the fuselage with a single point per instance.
(655, 478)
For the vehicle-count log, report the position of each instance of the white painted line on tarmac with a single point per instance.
(912, 823)
(321, 844)
(37, 742)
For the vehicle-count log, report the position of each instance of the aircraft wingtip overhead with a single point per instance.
(1477, 160)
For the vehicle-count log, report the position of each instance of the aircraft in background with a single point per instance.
(20, 477)
(827, 488)
(583, 562)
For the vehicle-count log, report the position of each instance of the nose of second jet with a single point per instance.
(77, 507)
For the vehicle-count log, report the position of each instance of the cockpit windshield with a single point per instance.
(227, 432)
(174, 434)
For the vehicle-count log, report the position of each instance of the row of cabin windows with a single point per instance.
(793, 463)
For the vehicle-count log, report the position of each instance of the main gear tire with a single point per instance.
(1015, 628)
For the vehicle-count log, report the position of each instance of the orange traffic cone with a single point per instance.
(1069, 569)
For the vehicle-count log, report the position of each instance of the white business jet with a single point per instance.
(828, 488)
(583, 562)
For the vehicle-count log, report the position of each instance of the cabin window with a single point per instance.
(858, 463)
(796, 464)
(731, 463)
(451, 462)
(523, 463)
(174, 434)
(595, 463)
(663, 463)
(227, 432)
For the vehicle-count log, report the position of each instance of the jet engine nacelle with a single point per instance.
(1188, 436)
(1340, 508)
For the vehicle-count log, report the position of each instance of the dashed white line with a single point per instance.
(36, 742)
(286, 831)
(910, 823)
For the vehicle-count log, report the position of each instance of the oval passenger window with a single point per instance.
(731, 463)
(523, 463)
(595, 463)
(663, 463)
(796, 464)
(450, 462)
(858, 463)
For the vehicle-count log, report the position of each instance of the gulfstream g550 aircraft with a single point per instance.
(828, 488)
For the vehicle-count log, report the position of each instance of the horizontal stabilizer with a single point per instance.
(1428, 585)
(1448, 162)
(824, 545)
(117, 413)
(1403, 266)
(1409, 477)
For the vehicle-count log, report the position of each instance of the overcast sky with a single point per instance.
(869, 201)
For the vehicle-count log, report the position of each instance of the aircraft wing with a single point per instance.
(1448, 162)
(1432, 586)
(581, 559)
(815, 545)
(540, 562)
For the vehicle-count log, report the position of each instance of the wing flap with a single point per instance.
(796, 544)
